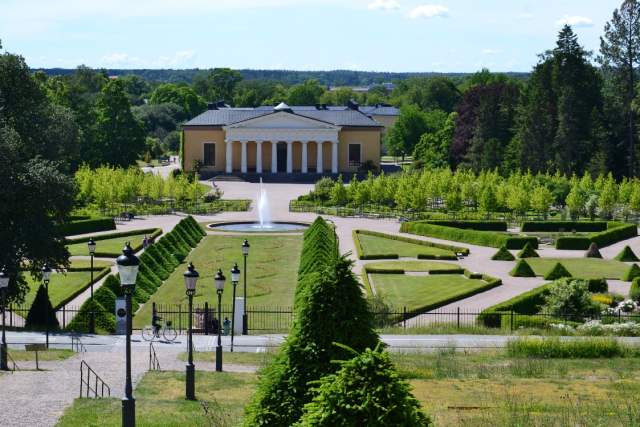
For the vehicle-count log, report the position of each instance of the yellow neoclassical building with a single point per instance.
(296, 140)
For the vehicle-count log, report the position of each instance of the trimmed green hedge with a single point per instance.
(446, 271)
(568, 226)
(634, 292)
(385, 271)
(492, 282)
(103, 319)
(503, 255)
(557, 272)
(150, 231)
(403, 239)
(438, 257)
(82, 288)
(631, 273)
(86, 226)
(615, 231)
(626, 255)
(471, 225)
(528, 252)
(106, 298)
(522, 269)
(480, 238)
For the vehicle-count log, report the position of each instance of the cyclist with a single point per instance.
(155, 324)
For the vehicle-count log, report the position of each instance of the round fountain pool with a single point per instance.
(256, 227)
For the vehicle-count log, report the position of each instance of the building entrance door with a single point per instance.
(282, 156)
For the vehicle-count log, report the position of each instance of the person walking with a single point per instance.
(144, 242)
(226, 324)
(215, 324)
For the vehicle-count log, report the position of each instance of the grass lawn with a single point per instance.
(412, 266)
(271, 281)
(60, 285)
(473, 389)
(236, 358)
(417, 291)
(51, 355)
(581, 267)
(380, 246)
(109, 246)
(86, 263)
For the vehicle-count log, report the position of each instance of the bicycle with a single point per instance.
(169, 333)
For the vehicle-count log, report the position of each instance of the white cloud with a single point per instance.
(525, 16)
(438, 63)
(307, 67)
(384, 5)
(182, 57)
(116, 58)
(489, 52)
(73, 62)
(278, 66)
(429, 11)
(512, 63)
(485, 64)
(574, 21)
(353, 66)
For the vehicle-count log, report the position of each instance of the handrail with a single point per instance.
(15, 367)
(154, 363)
(87, 382)
(75, 341)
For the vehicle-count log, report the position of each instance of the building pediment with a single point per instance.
(283, 121)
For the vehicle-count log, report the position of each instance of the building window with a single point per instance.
(355, 155)
(209, 154)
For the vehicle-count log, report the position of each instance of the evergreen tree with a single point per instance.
(37, 313)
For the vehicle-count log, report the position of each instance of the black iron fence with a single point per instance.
(126, 212)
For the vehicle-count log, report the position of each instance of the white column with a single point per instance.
(304, 156)
(319, 163)
(274, 156)
(289, 156)
(334, 157)
(229, 156)
(243, 164)
(258, 156)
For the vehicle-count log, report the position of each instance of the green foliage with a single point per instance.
(149, 231)
(178, 243)
(318, 248)
(181, 229)
(557, 272)
(631, 273)
(85, 226)
(627, 255)
(503, 254)
(555, 226)
(634, 292)
(104, 320)
(157, 256)
(339, 192)
(522, 269)
(166, 255)
(37, 313)
(113, 284)
(366, 391)
(331, 308)
(471, 225)
(105, 298)
(557, 348)
(307, 93)
(183, 96)
(158, 269)
(569, 296)
(456, 249)
(615, 231)
(528, 252)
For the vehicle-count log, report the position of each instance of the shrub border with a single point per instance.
(105, 271)
(362, 256)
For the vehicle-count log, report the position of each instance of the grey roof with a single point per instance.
(383, 111)
(228, 116)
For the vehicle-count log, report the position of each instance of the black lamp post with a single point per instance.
(219, 280)
(245, 321)
(46, 276)
(4, 284)
(190, 281)
(235, 277)
(128, 265)
(92, 250)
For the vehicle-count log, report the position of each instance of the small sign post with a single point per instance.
(36, 348)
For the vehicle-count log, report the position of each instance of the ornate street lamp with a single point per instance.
(46, 277)
(4, 284)
(245, 321)
(128, 265)
(190, 281)
(235, 277)
(219, 280)
(92, 250)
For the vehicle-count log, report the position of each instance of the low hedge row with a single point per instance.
(149, 231)
(615, 231)
(438, 257)
(85, 226)
(471, 225)
(82, 288)
(568, 226)
(480, 238)
(385, 271)
(404, 239)
(447, 271)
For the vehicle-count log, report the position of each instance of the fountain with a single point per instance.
(264, 223)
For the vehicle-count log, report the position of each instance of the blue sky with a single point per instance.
(368, 35)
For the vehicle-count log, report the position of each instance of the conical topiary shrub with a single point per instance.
(367, 387)
(627, 255)
(528, 252)
(557, 272)
(503, 254)
(106, 298)
(593, 252)
(631, 273)
(522, 269)
(104, 320)
(37, 316)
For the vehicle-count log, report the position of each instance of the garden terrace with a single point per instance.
(110, 245)
(581, 267)
(374, 245)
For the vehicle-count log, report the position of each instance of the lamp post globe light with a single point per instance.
(190, 281)
(245, 321)
(219, 280)
(4, 284)
(46, 277)
(92, 322)
(128, 265)
(235, 278)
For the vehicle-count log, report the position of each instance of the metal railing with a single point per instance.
(86, 381)
(154, 363)
(13, 362)
(76, 344)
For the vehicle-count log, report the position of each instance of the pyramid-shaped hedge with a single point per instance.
(528, 252)
(106, 298)
(593, 252)
(627, 255)
(503, 254)
(522, 269)
(631, 273)
(557, 272)
(81, 321)
(37, 316)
